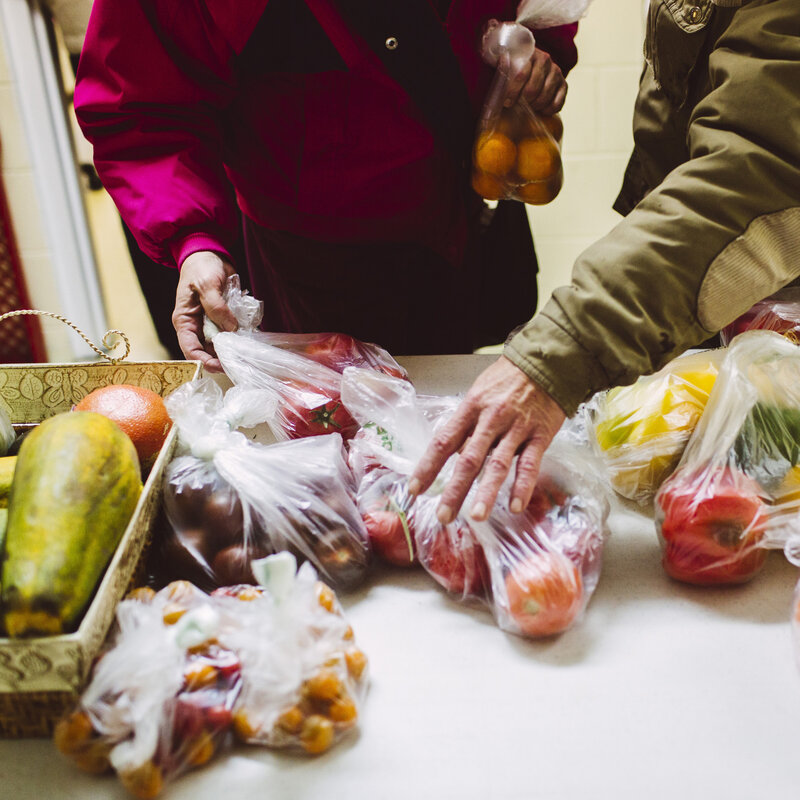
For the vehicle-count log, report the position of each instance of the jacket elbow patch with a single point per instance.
(754, 265)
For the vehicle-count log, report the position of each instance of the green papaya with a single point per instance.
(7, 466)
(76, 485)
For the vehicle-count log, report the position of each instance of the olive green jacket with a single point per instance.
(713, 191)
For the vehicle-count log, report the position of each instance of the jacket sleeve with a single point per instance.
(559, 42)
(720, 232)
(148, 102)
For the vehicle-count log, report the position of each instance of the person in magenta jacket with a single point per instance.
(341, 129)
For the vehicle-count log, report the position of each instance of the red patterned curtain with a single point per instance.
(20, 337)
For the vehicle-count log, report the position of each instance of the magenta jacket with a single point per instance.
(195, 105)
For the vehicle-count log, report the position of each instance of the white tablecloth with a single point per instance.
(662, 691)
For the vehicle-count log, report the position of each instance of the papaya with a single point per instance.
(7, 466)
(76, 485)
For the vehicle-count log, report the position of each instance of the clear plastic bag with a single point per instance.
(161, 700)
(275, 664)
(230, 500)
(779, 312)
(535, 570)
(302, 371)
(736, 490)
(640, 430)
(306, 692)
(517, 152)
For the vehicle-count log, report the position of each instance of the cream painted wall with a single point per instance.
(597, 138)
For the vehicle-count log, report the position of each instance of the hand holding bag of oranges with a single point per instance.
(517, 152)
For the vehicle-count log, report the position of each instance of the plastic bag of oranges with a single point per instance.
(274, 664)
(517, 152)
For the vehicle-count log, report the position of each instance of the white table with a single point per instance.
(661, 691)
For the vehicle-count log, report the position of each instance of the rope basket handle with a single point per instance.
(108, 342)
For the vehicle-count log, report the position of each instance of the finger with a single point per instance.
(442, 446)
(192, 348)
(495, 471)
(216, 308)
(558, 100)
(518, 72)
(530, 459)
(535, 83)
(469, 463)
(547, 91)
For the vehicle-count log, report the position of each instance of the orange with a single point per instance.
(495, 153)
(487, 186)
(554, 126)
(538, 159)
(545, 593)
(140, 412)
(538, 193)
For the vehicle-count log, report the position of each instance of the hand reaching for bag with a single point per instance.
(200, 293)
(504, 413)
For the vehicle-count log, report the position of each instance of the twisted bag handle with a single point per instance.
(108, 342)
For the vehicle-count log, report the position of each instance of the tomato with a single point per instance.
(545, 593)
(312, 412)
(338, 350)
(546, 496)
(712, 527)
(389, 537)
(455, 558)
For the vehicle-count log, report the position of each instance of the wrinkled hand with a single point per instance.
(539, 80)
(504, 413)
(200, 292)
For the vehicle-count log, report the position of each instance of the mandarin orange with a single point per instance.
(538, 159)
(495, 153)
(487, 186)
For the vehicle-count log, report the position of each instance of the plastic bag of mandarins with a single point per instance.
(274, 664)
(517, 152)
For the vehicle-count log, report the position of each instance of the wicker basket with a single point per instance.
(41, 677)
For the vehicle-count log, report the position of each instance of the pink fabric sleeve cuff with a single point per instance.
(182, 248)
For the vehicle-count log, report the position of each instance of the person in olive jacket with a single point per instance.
(712, 196)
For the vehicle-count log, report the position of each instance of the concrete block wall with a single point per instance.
(597, 138)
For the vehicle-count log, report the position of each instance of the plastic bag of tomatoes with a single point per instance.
(535, 570)
(304, 676)
(302, 371)
(161, 700)
(779, 312)
(275, 664)
(396, 427)
(230, 500)
(736, 491)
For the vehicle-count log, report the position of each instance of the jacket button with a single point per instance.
(694, 14)
(391, 43)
